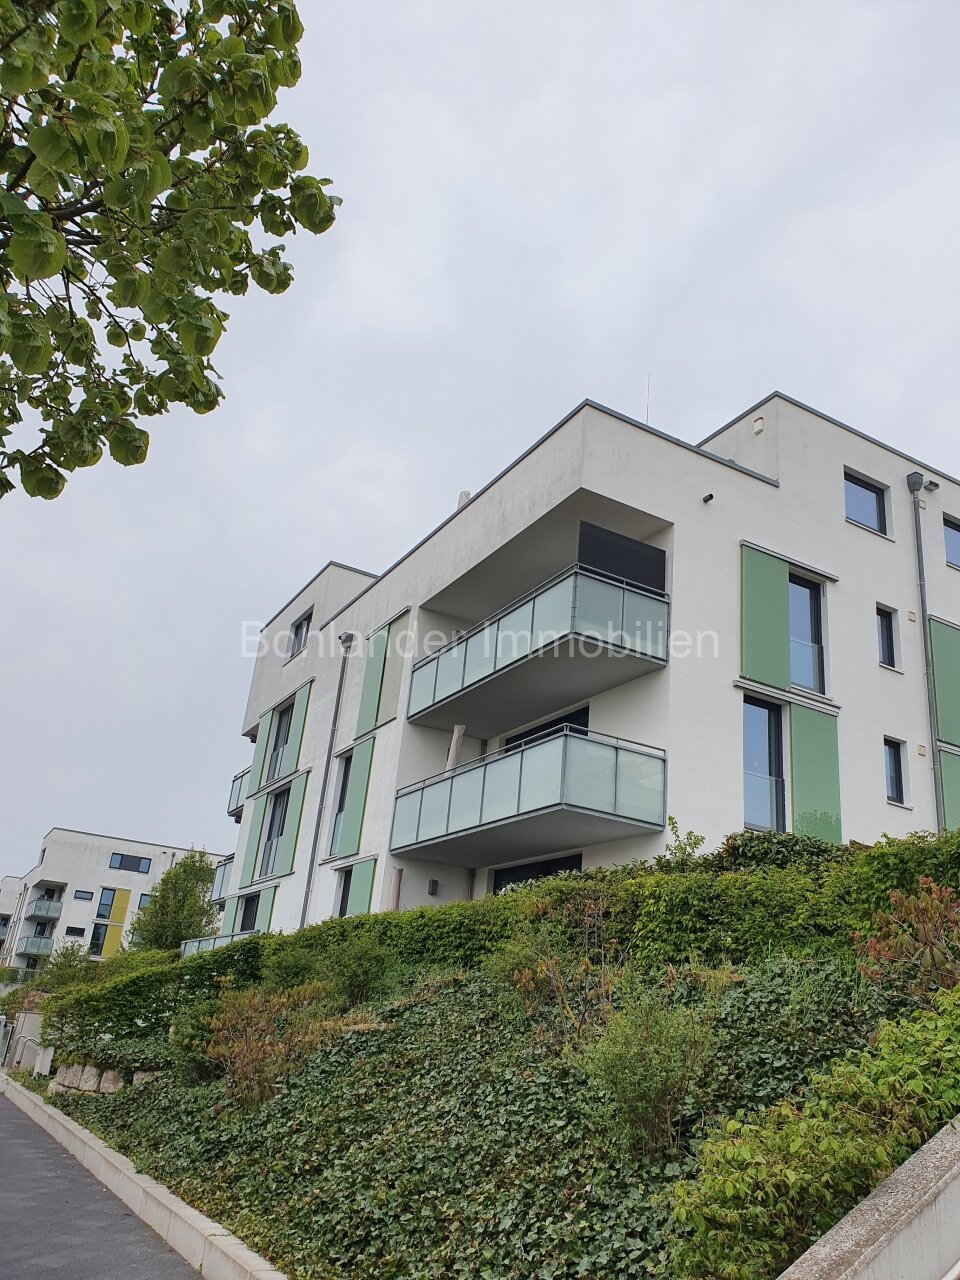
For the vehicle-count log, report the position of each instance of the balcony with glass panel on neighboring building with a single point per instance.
(34, 946)
(238, 792)
(43, 909)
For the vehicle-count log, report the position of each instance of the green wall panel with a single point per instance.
(372, 680)
(351, 822)
(291, 826)
(945, 643)
(291, 752)
(815, 773)
(764, 618)
(259, 753)
(228, 923)
(265, 909)
(361, 887)
(392, 671)
(248, 869)
(950, 785)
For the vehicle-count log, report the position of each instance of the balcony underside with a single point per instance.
(557, 676)
(555, 830)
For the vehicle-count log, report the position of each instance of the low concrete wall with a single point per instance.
(201, 1242)
(907, 1229)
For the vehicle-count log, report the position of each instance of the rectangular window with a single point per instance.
(299, 634)
(345, 877)
(275, 824)
(40, 930)
(806, 635)
(893, 764)
(865, 503)
(763, 805)
(248, 913)
(106, 903)
(341, 801)
(144, 899)
(951, 537)
(886, 637)
(281, 735)
(129, 862)
(72, 931)
(83, 895)
(97, 938)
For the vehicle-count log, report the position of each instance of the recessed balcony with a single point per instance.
(43, 909)
(564, 790)
(28, 946)
(238, 792)
(573, 637)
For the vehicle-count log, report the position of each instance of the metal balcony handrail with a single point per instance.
(568, 730)
(236, 789)
(576, 567)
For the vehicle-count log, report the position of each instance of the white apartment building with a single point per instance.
(84, 889)
(760, 630)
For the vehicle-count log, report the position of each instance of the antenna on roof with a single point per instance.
(646, 417)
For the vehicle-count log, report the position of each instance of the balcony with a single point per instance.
(43, 909)
(28, 946)
(238, 791)
(575, 636)
(193, 946)
(221, 880)
(563, 790)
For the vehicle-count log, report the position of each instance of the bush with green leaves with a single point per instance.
(179, 906)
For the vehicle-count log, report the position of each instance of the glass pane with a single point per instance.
(864, 504)
(599, 609)
(481, 654)
(885, 637)
(405, 818)
(501, 787)
(465, 794)
(805, 665)
(541, 775)
(801, 612)
(640, 786)
(449, 672)
(421, 687)
(590, 776)
(433, 810)
(553, 613)
(951, 536)
(756, 739)
(645, 624)
(513, 634)
(761, 801)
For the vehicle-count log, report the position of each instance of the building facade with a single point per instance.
(619, 627)
(84, 889)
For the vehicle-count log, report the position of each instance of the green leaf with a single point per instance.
(128, 444)
(78, 20)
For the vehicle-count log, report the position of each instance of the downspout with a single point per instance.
(915, 484)
(346, 644)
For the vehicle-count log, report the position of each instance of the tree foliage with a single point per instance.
(179, 906)
(138, 181)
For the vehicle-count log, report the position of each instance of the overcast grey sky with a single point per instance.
(542, 201)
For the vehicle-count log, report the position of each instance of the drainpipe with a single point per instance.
(915, 484)
(346, 644)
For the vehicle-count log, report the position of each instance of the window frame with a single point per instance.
(113, 897)
(122, 861)
(83, 895)
(74, 931)
(893, 754)
(282, 720)
(270, 841)
(886, 621)
(346, 764)
(98, 936)
(248, 901)
(344, 879)
(814, 590)
(776, 758)
(879, 494)
(305, 621)
(949, 523)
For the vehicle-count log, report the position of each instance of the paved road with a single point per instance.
(57, 1220)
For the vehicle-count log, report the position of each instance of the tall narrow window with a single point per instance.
(341, 802)
(248, 913)
(343, 905)
(98, 936)
(865, 503)
(275, 825)
(763, 806)
(893, 763)
(299, 634)
(281, 735)
(105, 905)
(951, 537)
(886, 641)
(806, 634)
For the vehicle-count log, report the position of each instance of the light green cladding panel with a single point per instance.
(291, 752)
(372, 680)
(815, 773)
(351, 820)
(392, 670)
(253, 842)
(228, 923)
(764, 618)
(950, 785)
(265, 909)
(361, 887)
(259, 753)
(945, 642)
(291, 826)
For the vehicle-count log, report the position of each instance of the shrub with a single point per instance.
(761, 850)
(179, 906)
(915, 946)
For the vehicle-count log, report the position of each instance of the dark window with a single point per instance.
(275, 825)
(885, 638)
(83, 895)
(951, 536)
(129, 862)
(299, 633)
(144, 899)
(341, 801)
(578, 720)
(105, 905)
(345, 878)
(893, 762)
(536, 870)
(622, 557)
(72, 931)
(97, 938)
(806, 635)
(40, 930)
(281, 734)
(865, 503)
(763, 808)
(248, 913)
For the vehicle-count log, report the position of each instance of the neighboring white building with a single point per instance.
(9, 894)
(732, 633)
(85, 888)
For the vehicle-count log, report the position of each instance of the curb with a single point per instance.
(201, 1242)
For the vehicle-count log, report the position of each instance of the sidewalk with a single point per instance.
(57, 1220)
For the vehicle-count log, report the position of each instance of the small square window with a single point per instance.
(951, 537)
(893, 763)
(144, 899)
(886, 637)
(865, 503)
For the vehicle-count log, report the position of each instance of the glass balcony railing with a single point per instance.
(763, 802)
(29, 946)
(43, 909)
(221, 880)
(622, 783)
(193, 946)
(806, 664)
(238, 792)
(595, 612)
